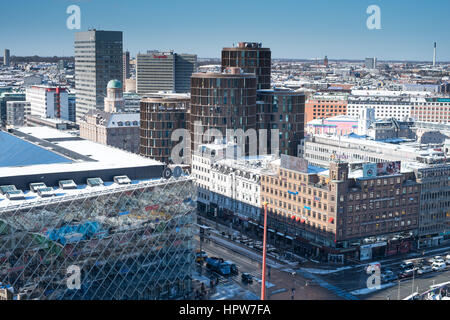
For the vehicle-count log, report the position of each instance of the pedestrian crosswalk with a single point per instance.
(339, 292)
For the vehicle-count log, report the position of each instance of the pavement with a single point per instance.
(316, 281)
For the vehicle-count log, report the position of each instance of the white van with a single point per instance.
(438, 266)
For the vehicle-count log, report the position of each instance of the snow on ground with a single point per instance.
(365, 291)
(325, 271)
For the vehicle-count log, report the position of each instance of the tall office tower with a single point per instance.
(126, 68)
(160, 116)
(49, 102)
(282, 109)
(222, 101)
(98, 59)
(434, 55)
(164, 71)
(325, 61)
(371, 63)
(6, 59)
(251, 57)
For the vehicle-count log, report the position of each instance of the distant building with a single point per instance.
(164, 71)
(126, 68)
(371, 63)
(160, 116)
(325, 105)
(337, 125)
(130, 85)
(114, 101)
(431, 109)
(398, 107)
(120, 130)
(251, 57)
(132, 102)
(283, 110)
(32, 80)
(17, 112)
(222, 101)
(49, 102)
(98, 59)
(6, 58)
(325, 61)
(4, 98)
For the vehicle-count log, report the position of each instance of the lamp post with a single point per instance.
(263, 284)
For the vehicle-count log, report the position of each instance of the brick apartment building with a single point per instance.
(348, 213)
(325, 105)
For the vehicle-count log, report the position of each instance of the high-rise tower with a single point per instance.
(251, 57)
(98, 59)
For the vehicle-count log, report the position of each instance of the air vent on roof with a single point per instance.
(122, 180)
(94, 182)
(7, 188)
(34, 187)
(67, 184)
(45, 192)
(15, 195)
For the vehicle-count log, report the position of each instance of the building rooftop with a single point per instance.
(84, 157)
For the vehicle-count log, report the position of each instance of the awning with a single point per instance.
(271, 230)
(289, 237)
(280, 234)
(298, 218)
(302, 221)
(331, 220)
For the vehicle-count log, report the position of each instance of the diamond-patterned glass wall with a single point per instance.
(129, 242)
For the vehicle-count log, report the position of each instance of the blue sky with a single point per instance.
(291, 28)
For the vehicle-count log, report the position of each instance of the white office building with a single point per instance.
(49, 102)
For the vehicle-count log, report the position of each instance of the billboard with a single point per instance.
(388, 168)
(294, 163)
(369, 170)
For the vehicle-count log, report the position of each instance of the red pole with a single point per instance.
(263, 284)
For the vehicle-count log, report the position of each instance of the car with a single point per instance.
(388, 276)
(247, 277)
(440, 260)
(439, 266)
(447, 257)
(425, 269)
(406, 265)
(407, 273)
(430, 261)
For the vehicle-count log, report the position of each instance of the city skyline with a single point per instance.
(293, 30)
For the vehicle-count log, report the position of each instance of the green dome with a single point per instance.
(114, 84)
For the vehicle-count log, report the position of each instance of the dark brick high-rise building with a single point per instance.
(251, 57)
(282, 109)
(222, 101)
(160, 116)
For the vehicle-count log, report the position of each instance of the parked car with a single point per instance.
(425, 269)
(247, 278)
(439, 266)
(440, 260)
(388, 276)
